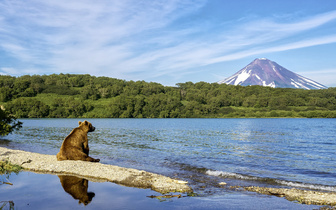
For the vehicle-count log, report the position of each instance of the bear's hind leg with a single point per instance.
(75, 154)
(84, 157)
(60, 156)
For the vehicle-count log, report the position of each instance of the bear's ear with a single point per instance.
(79, 123)
(86, 122)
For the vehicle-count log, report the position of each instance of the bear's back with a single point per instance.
(76, 137)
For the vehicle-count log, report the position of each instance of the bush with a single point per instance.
(8, 123)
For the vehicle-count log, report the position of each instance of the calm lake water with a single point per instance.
(264, 152)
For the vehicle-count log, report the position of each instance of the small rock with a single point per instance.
(180, 182)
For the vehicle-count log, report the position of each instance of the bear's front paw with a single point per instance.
(96, 160)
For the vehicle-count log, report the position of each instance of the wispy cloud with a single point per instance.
(250, 38)
(327, 76)
(121, 38)
(83, 36)
(278, 48)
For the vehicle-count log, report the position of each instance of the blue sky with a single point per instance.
(167, 41)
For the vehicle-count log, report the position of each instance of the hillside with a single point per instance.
(72, 96)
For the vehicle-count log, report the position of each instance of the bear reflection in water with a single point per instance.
(77, 188)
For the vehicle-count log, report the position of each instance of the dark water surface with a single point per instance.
(265, 152)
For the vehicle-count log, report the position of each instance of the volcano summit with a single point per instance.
(264, 72)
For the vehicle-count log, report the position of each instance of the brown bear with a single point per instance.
(76, 146)
(77, 188)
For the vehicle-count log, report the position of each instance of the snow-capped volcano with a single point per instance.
(268, 73)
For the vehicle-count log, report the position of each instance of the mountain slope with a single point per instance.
(268, 73)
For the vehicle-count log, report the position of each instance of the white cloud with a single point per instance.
(17, 72)
(259, 37)
(9, 71)
(278, 48)
(121, 38)
(82, 36)
(323, 76)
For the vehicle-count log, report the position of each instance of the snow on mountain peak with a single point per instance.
(242, 77)
(265, 72)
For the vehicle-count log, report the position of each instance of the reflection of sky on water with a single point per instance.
(44, 191)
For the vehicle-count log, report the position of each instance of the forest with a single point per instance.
(86, 96)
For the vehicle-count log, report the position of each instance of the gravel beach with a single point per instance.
(93, 171)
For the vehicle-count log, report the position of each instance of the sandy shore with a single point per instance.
(93, 171)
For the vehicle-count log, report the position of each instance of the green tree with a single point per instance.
(5, 94)
(76, 95)
(8, 123)
(28, 108)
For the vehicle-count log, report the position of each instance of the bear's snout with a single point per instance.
(92, 129)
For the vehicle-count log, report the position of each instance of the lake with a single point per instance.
(264, 152)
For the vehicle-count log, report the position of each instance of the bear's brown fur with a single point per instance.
(76, 146)
(77, 188)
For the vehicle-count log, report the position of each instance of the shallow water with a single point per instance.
(43, 191)
(263, 152)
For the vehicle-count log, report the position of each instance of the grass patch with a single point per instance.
(7, 168)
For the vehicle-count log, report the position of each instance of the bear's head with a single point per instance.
(87, 126)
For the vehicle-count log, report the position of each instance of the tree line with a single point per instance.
(70, 95)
